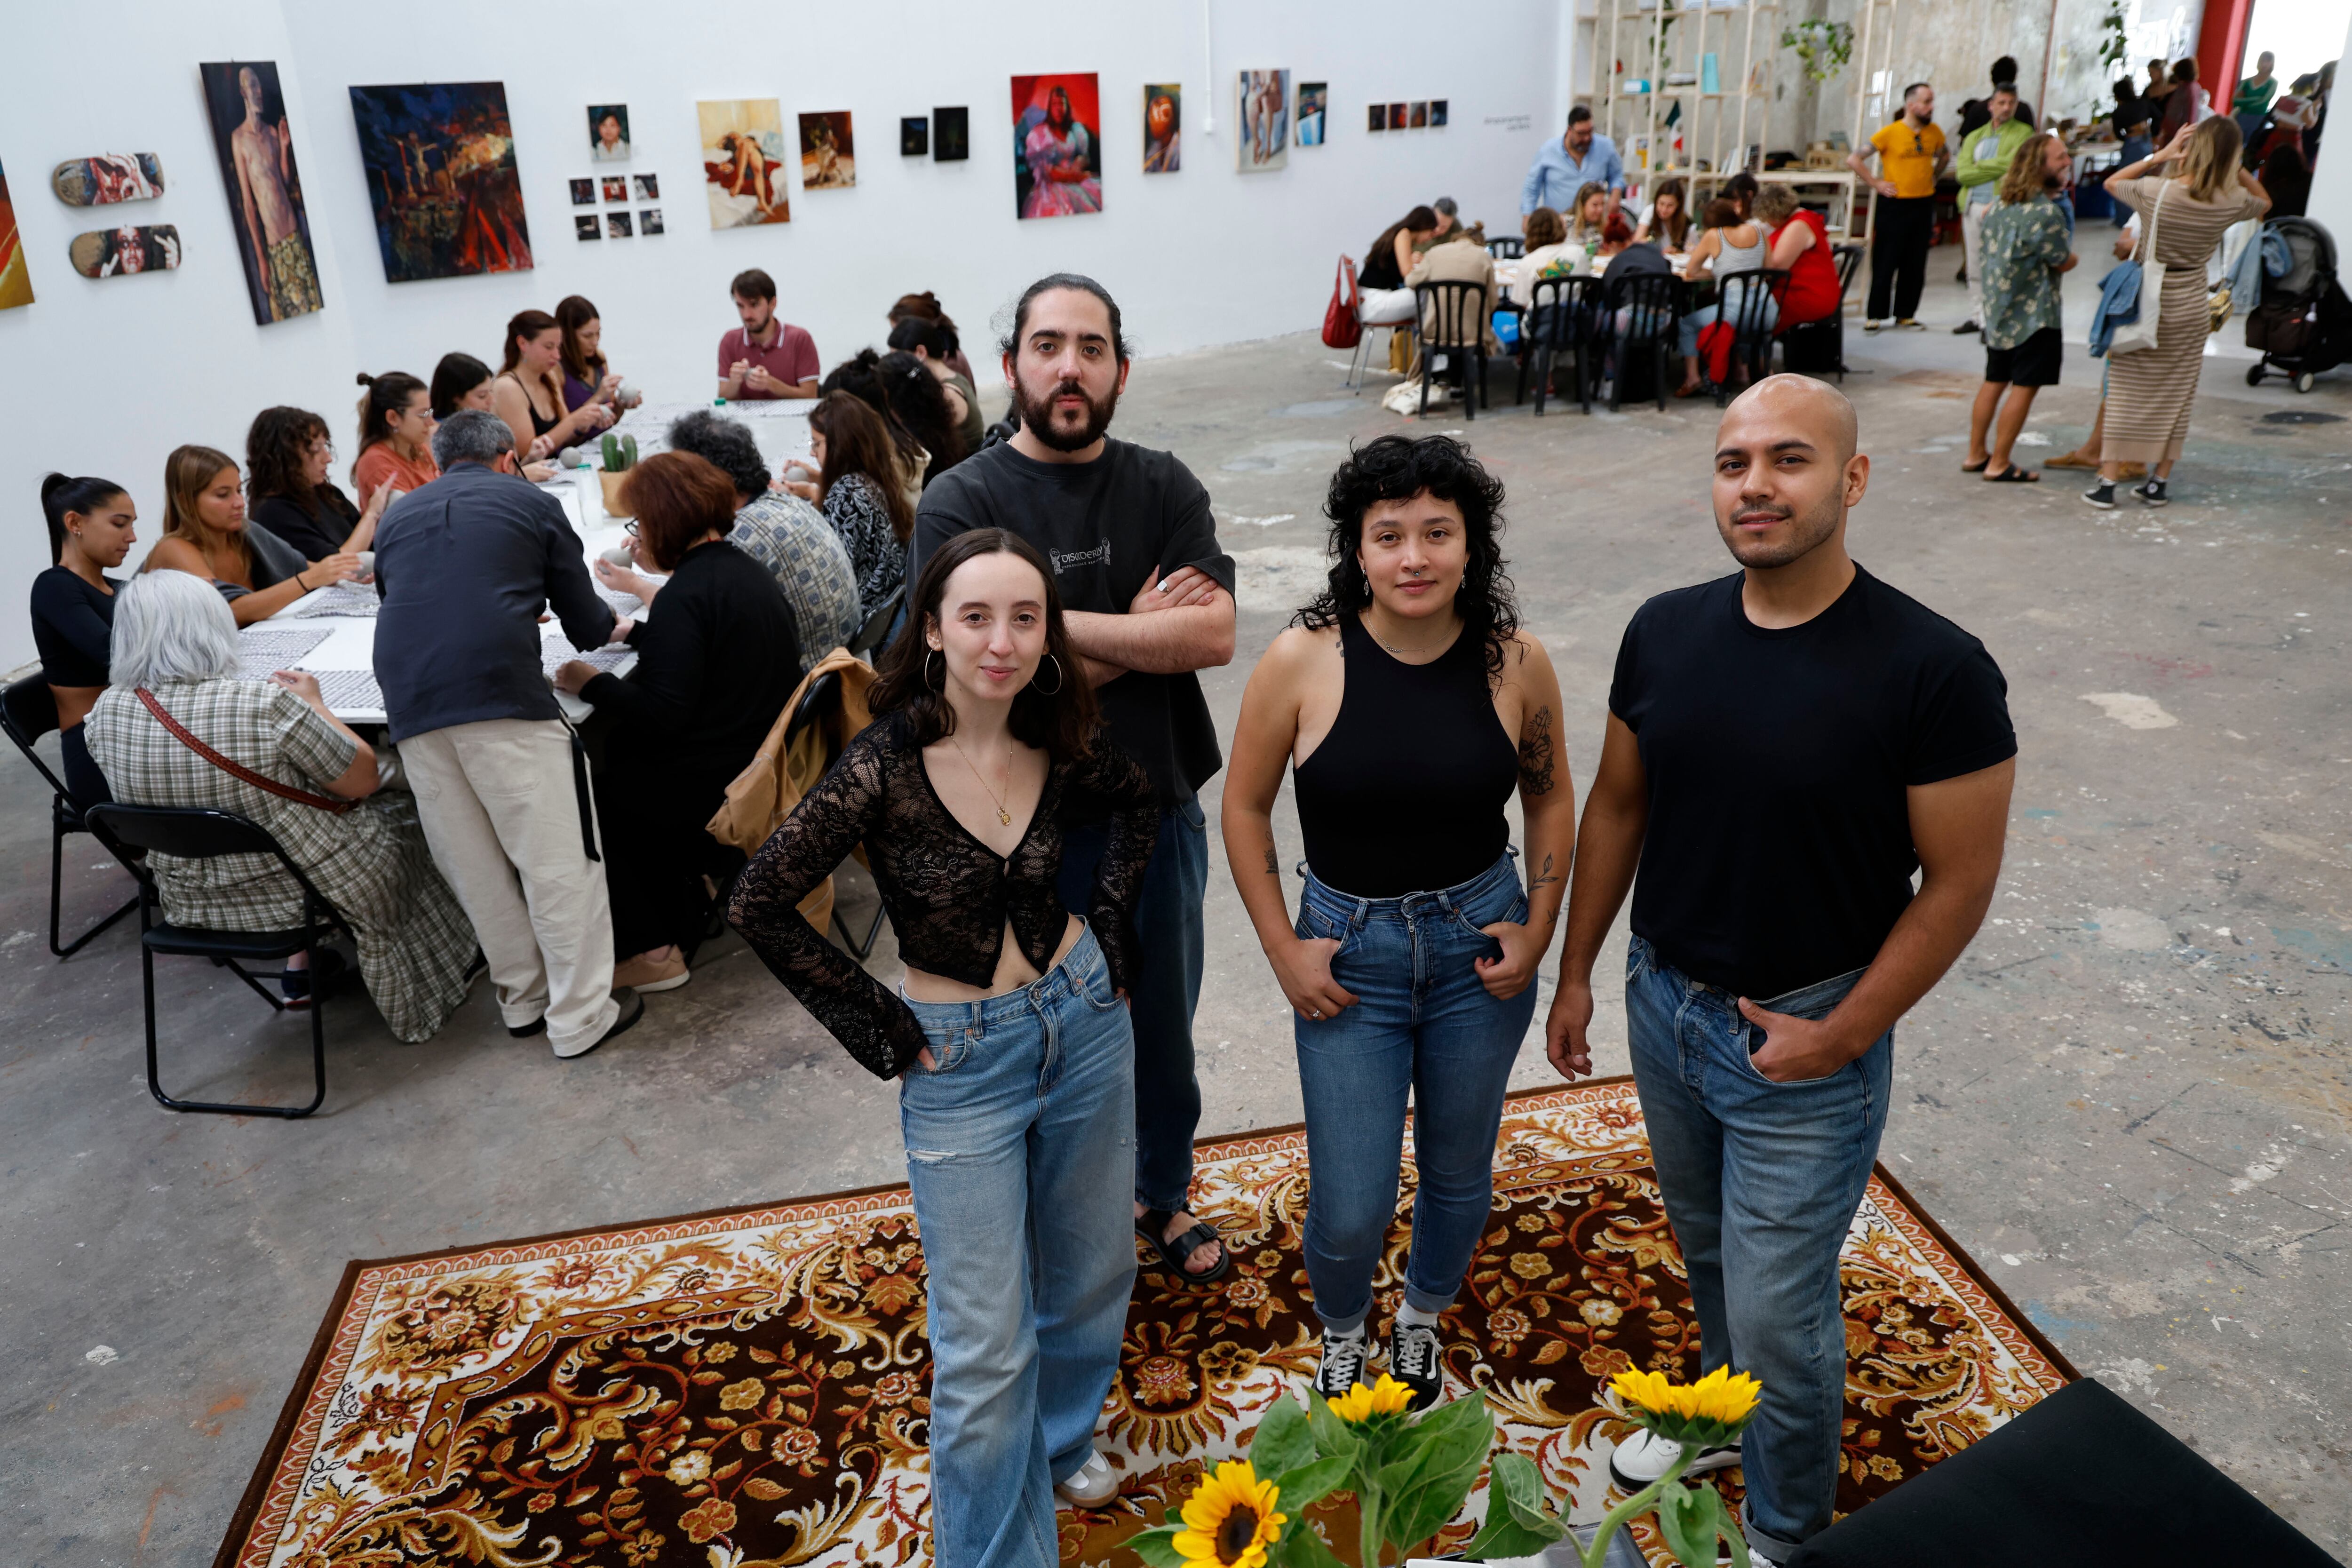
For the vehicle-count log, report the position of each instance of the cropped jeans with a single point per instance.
(1021, 1155)
(1761, 1181)
(1425, 1024)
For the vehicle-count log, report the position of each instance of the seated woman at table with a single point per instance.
(1741, 192)
(205, 533)
(927, 305)
(1601, 232)
(287, 456)
(714, 669)
(931, 343)
(461, 380)
(1799, 247)
(856, 488)
(1665, 222)
(1386, 302)
(1729, 244)
(90, 528)
(1549, 254)
(175, 650)
(397, 422)
(587, 376)
(527, 392)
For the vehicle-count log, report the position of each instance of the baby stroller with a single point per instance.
(2304, 324)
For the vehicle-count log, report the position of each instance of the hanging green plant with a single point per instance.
(1823, 47)
(2112, 38)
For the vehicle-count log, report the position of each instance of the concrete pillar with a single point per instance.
(2331, 181)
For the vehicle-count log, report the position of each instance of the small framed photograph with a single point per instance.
(617, 225)
(1376, 118)
(648, 186)
(952, 143)
(914, 136)
(649, 221)
(1436, 113)
(586, 226)
(584, 192)
(1396, 116)
(1419, 114)
(617, 187)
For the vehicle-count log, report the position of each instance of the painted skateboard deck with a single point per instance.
(114, 252)
(108, 178)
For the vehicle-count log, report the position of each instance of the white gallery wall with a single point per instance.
(106, 377)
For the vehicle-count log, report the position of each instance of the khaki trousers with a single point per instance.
(501, 813)
(1972, 218)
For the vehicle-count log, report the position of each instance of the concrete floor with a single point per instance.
(2130, 1099)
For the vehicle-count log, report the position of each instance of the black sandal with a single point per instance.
(1150, 1225)
(1975, 468)
(2014, 475)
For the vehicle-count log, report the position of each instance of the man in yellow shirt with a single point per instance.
(1911, 153)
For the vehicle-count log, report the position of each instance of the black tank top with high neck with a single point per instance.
(1406, 794)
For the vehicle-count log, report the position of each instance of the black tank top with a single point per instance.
(539, 427)
(1406, 794)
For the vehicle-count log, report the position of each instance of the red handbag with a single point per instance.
(1341, 330)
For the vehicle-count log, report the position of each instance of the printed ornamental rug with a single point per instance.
(748, 1388)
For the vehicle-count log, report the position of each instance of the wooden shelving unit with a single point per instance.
(1661, 40)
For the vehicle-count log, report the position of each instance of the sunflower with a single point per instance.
(1386, 1397)
(1229, 1520)
(1711, 1411)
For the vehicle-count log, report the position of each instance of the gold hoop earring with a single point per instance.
(1053, 690)
(940, 685)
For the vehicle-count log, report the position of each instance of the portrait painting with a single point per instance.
(649, 221)
(608, 132)
(617, 187)
(1436, 113)
(584, 192)
(441, 176)
(743, 161)
(1264, 145)
(16, 275)
(1163, 125)
(647, 186)
(616, 225)
(1312, 97)
(586, 226)
(914, 136)
(256, 145)
(951, 135)
(1376, 117)
(1056, 145)
(1396, 116)
(828, 151)
(1420, 115)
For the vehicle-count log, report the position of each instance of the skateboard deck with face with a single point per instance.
(108, 178)
(114, 253)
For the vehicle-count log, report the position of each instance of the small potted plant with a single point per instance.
(620, 454)
(1410, 1475)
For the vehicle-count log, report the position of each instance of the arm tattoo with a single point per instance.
(1272, 864)
(1536, 884)
(1534, 753)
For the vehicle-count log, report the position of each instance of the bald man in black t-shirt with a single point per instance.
(1785, 746)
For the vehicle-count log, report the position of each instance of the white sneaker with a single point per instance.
(1644, 1457)
(1091, 1485)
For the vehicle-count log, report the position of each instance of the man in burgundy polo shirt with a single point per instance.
(764, 357)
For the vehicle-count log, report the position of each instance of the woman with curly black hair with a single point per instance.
(288, 453)
(1411, 706)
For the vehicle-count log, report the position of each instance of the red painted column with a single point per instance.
(2221, 41)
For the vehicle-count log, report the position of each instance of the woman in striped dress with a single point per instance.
(2186, 207)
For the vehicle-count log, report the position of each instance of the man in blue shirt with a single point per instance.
(1563, 167)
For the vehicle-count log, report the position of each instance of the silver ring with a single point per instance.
(1313, 1013)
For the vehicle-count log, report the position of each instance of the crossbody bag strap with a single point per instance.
(237, 770)
(2155, 211)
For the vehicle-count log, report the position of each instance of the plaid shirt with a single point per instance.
(802, 554)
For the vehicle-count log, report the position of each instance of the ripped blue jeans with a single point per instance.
(1020, 1156)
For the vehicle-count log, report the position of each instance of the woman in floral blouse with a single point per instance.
(2026, 239)
(858, 487)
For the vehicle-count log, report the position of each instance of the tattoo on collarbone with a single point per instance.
(1534, 753)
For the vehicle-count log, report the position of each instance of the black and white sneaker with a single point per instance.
(1343, 1366)
(2101, 495)
(2152, 493)
(1644, 1457)
(1417, 1361)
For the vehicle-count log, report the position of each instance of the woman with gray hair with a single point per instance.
(177, 726)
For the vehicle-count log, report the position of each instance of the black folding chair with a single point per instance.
(1819, 347)
(189, 833)
(1449, 317)
(821, 704)
(1508, 248)
(1559, 323)
(1744, 298)
(28, 710)
(870, 637)
(1643, 309)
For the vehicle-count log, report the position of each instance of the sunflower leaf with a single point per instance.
(1310, 1483)
(1285, 1441)
(1332, 1435)
(1157, 1547)
(1515, 1481)
(1690, 1518)
(1505, 1536)
(1301, 1547)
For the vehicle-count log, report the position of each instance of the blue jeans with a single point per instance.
(1424, 1023)
(1019, 1155)
(1761, 1181)
(1165, 994)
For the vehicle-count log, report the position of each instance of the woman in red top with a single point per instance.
(396, 435)
(1800, 247)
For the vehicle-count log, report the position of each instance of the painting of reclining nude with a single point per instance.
(743, 161)
(441, 176)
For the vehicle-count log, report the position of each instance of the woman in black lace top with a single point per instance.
(1010, 1034)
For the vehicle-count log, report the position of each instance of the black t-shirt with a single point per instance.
(73, 628)
(316, 534)
(1779, 852)
(1107, 526)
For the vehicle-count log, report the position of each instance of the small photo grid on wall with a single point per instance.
(617, 225)
(647, 186)
(584, 192)
(617, 187)
(649, 221)
(586, 226)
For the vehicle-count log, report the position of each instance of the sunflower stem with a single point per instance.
(1368, 1520)
(1632, 1507)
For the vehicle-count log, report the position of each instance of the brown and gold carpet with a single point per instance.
(748, 1388)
